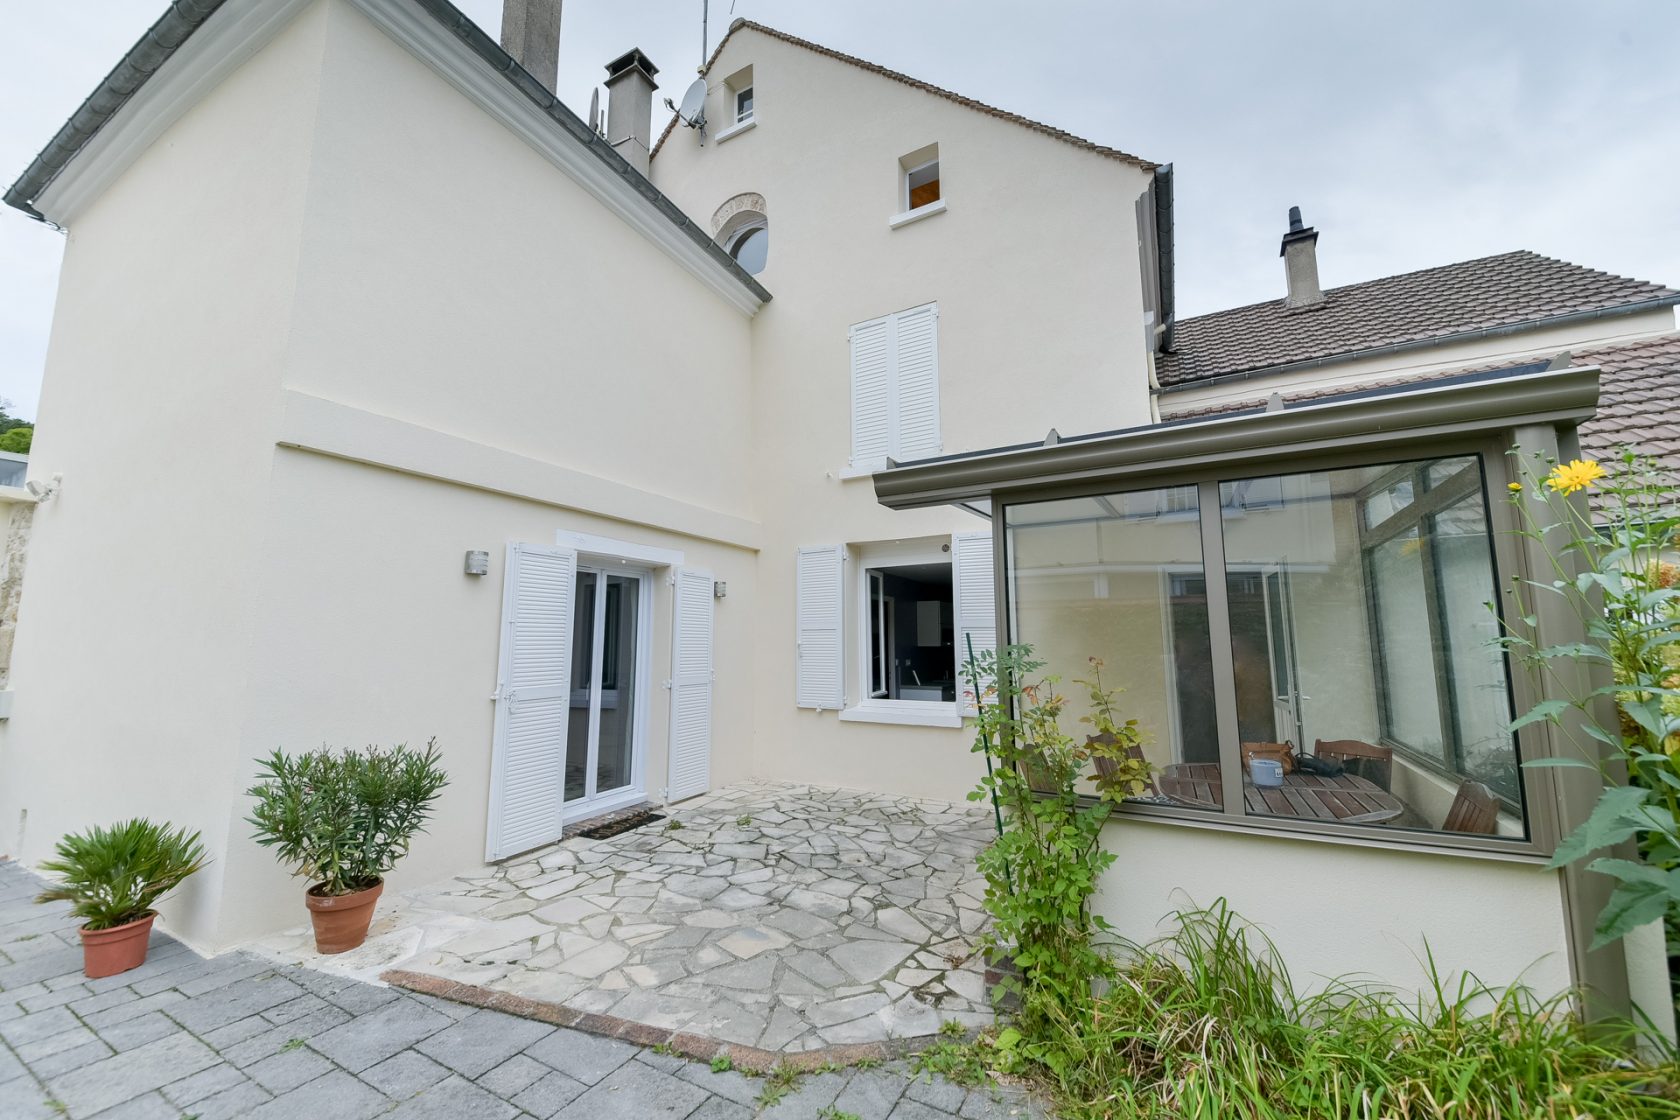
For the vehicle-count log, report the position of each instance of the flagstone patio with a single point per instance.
(783, 917)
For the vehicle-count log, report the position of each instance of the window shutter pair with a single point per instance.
(820, 617)
(895, 386)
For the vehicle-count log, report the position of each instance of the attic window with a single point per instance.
(921, 185)
(738, 104)
(919, 195)
(743, 105)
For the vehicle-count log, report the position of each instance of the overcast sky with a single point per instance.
(1411, 134)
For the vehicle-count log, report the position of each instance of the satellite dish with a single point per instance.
(693, 110)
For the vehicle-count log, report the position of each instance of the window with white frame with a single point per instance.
(918, 181)
(743, 105)
(884, 629)
(895, 387)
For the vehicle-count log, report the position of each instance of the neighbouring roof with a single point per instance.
(1489, 295)
(1638, 396)
(183, 17)
(914, 83)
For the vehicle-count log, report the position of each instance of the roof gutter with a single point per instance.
(143, 59)
(1426, 343)
(1403, 417)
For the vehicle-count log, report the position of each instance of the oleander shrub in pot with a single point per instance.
(112, 877)
(342, 820)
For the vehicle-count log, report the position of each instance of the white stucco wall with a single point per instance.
(367, 631)
(1034, 266)
(336, 250)
(157, 407)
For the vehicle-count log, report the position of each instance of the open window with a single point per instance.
(919, 189)
(884, 628)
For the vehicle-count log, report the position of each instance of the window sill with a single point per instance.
(909, 217)
(1496, 848)
(909, 713)
(736, 129)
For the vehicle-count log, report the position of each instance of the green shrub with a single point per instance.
(113, 876)
(345, 818)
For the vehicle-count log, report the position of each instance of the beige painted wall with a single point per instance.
(414, 261)
(1034, 267)
(367, 631)
(130, 665)
(1354, 912)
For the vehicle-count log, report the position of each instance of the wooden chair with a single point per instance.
(1364, 760)
(1282, 752)
(1105, 766)
(1474, 809)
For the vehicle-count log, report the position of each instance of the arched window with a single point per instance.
(741, 227)
(750, 246)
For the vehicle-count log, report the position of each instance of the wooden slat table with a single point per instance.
(1346, 797)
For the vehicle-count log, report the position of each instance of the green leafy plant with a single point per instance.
(723, 1063)
(743, 821)
(832, 1113)
(1612, 570)
(1043, 868)
(113, 876)
(778, 1083)
(344, 819)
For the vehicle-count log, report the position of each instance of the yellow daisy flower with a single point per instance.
(1514, 487)
(1577, 474)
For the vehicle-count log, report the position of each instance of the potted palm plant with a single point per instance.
(111, 877)
(343, 820)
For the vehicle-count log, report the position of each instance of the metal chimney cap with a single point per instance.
(632, 59)
(1298, 231)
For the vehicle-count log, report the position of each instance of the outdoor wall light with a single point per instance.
(478, 562)
(720, 589)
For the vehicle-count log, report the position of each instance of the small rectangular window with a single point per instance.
(743, 105)
(921, 185)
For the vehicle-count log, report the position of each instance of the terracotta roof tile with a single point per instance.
(1414, 307)
(915, 83)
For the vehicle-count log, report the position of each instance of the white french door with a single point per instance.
(607, 721)
(1280, 636)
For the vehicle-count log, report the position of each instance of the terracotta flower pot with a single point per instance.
(106, 952)
(341, 920)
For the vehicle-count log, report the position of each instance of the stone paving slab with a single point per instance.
(784, 918)
(164, 1045)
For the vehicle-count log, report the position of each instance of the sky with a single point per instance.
(1411, 134)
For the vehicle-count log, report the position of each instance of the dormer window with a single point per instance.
(743, 105)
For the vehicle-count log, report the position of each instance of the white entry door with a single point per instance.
(606, 727)
(1280, 636)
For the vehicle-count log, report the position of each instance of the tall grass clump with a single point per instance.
(1208, 1023)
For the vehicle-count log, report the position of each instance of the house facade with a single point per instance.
(564, 446)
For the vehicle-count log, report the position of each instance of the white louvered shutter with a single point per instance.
(691, 685)
(533, 700)
(974, 586)
(917, 337)
(820, 594)
(871, 391)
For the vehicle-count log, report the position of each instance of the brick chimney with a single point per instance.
(1300, 262)
(531, 34)
(630, 87)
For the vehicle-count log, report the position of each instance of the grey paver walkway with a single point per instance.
(239, 1036)
(784, 917)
